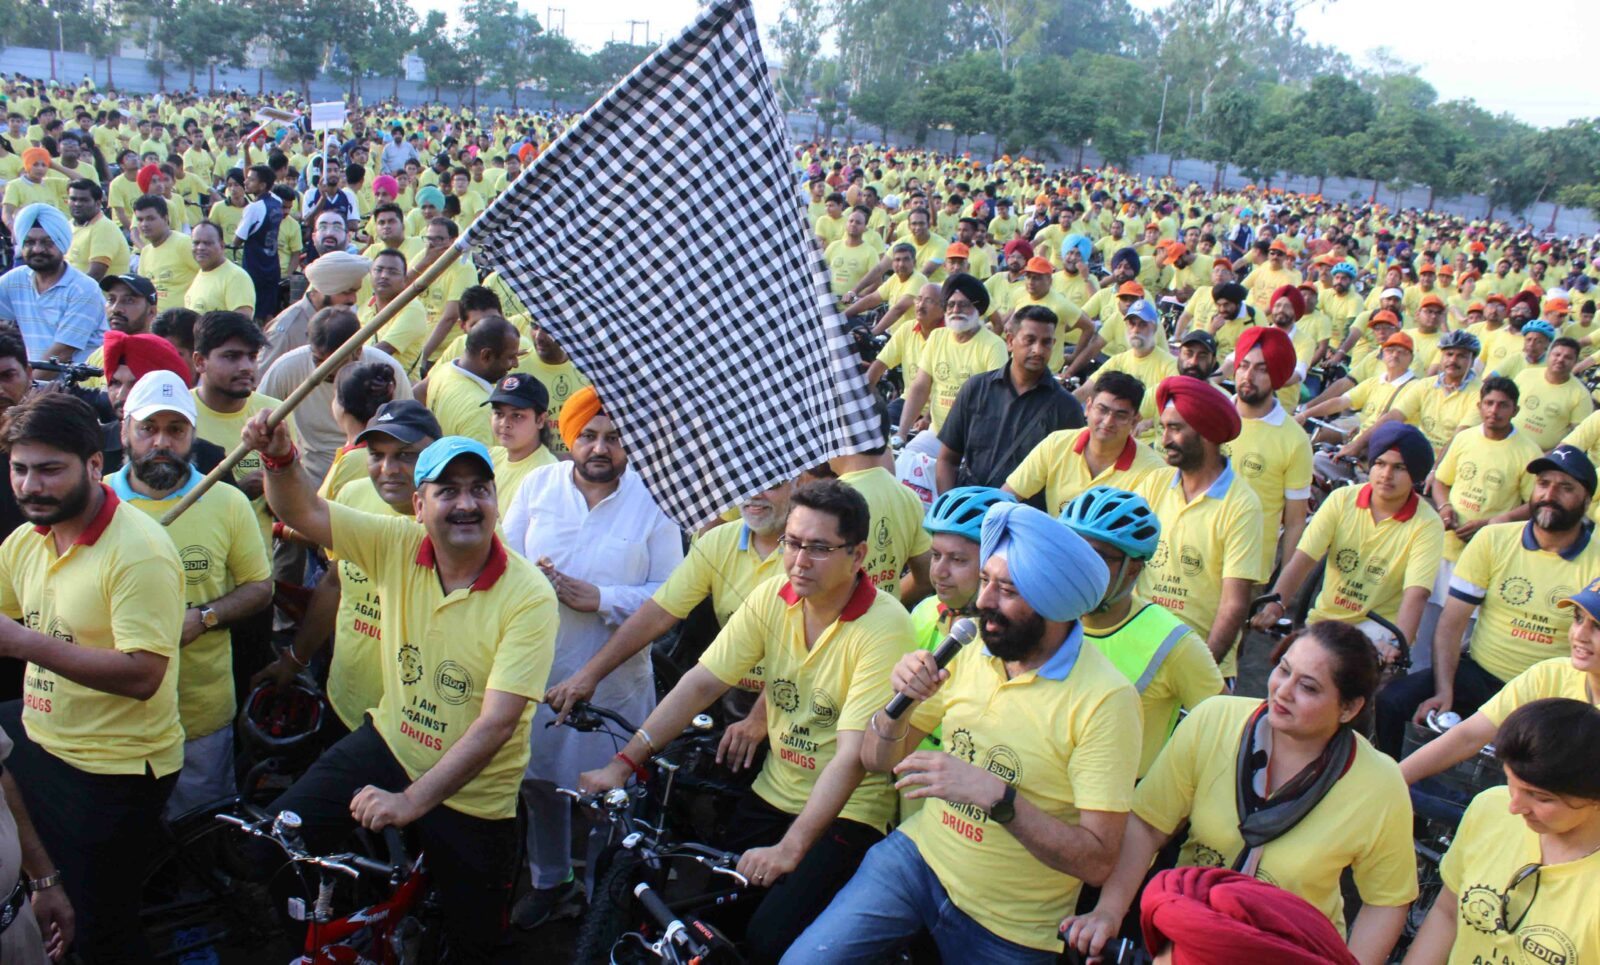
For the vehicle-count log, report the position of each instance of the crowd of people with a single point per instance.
(1100, 398)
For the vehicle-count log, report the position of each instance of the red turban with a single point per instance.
(1202, 405)
(1295, 298)
(1017, 244)
(143, 354)
(1276, 349)
(146, 174)
(1213, 916)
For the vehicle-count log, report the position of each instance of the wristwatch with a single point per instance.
(48, 881)
(208, 618)
(1003, 810)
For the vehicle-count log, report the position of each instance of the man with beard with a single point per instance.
(1210, 554)
(1340, 302)
(952, 354)
(1197, 311)
(226, 576)
(130, 308)
(1272, 452)
(1449, 400)
(57, 309)
(1146, 358)
(724, 565)
(1000, 416)
(1232, 316)
(825, 641)
(1511, 574)
(1029, 802)
(606, 547)
(94, 593)
(128, 358)
(98, 248)
(1106, 305)
(456, 390)
(1197, 355)
(332, 281)
(474, 622)
(330, 232)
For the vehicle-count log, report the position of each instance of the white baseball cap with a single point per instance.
(160, 391)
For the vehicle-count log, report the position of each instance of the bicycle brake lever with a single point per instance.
(717, 869)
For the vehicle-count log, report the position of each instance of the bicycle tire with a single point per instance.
(610, 914)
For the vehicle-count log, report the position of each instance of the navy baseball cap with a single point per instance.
(433, 460)
(521, 390)
(1570, 460)
(1203, 337)
(138, 284)
(1588, 598)
(405, 419)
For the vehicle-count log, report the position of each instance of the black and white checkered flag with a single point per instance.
(662, 242)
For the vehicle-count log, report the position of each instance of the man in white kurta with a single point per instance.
(595, 531)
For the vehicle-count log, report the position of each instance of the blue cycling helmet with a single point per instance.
(960, 511)
(1461, 338)
(1114, 516)
(1344, 268)
(1541, 327)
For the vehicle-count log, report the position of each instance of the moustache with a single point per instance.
(38, 501)
(464, 518)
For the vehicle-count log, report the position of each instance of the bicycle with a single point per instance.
(193, 896)
(1439, 803)
(395, 928)
(645, 849)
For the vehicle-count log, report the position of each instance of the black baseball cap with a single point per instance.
(406, 420)
(1202, 337)
(1570, 460)
(138, 283)
(521, 390)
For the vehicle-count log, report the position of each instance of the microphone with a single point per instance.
(962, 633)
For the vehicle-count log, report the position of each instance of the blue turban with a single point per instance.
(48, 217)
(1125, 255)
(1051, 566)
(1084, 245)
(431, 195)
(1414, 448)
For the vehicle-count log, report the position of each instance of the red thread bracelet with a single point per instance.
(638, 772)
(279, 465)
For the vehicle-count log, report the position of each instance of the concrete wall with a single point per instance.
(135, 74)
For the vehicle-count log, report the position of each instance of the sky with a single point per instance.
(1526, 58)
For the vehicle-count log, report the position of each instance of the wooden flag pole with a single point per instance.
(328, 367)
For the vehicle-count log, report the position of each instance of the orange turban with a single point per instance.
(35, 155)
(582, 406)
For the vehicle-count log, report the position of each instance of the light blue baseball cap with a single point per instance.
(433, 460)
(1143, 310)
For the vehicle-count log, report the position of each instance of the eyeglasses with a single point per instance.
(1115, 415)
(817, 552)
(1505, 923)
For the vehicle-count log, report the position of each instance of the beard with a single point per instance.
(1250, 395)
(1552, 516)
(160, 469)
(601, 470)
(1183, 457)
(49, 510)
(1140, 343)
(1010, 640)
(1194, 371)
(963, 324)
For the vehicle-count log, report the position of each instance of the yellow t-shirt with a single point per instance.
(219, 547)
(508, 474)
(1491, 846)
(1058, 466)
(1547, 412)
(848, 265)
(949, 363)
(892, 289)
(119, 586)
(1273, 454)
(1374, 396)
(1486, 477)
(1067, 736)
(448, 288)
(1216, 537)
(814, 693)
(457, 399)
(1439, 411)
(227, 217)
(355, 676)
(1155, 366)
(1556, 677)
(226, 429)
(904, 349)
(20, 192)
(442, 652)
(349, 465)
(1195, 778)
(1184, 672)
(895, 533)
(99, 240)
(724, 565)
(405, 332)
(226, 287)
(1370, 564)
(170, 266)
(1515, 586)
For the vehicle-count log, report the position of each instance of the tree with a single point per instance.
(797, 39)
(1207, 41)
(960, 93)
(299, 29)
(1011, 27)
(616, 60)
(205, 33)
(876, 102)
(442, 61)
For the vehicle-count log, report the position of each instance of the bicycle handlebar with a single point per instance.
(672, 927)
(348, 864)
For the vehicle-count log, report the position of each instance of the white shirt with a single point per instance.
(626, 547)
(320, 433)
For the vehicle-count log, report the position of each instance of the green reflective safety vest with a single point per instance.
(930, 623)
(1140, 646)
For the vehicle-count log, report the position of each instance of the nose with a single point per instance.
(985, 599)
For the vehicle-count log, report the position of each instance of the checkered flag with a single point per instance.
(661, 241)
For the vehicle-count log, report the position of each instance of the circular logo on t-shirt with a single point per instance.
(1004, 763)
(961, 745)
(1252, 465)
(1468, 472)
(941, 371)
(1516, 591)
(786, 695)
(1205, 857)
(1530, 404)
(1546, 945)
(1158, 559)
(410, 664)
(823, 710)
(1557, 595)
(883, 532)
(1480, 908)
(1346, 560)
(1191, 560)
(196, 562)
(452, 682)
